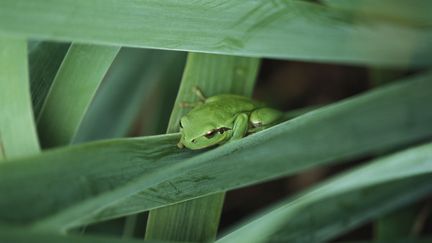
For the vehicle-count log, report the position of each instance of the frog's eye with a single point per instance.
(223, 129)
(181, 126)
(210, 134)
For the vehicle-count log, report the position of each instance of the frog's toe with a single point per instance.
(180, 145)
(256, 124)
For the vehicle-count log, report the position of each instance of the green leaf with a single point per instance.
(358, 207)
(23, 235)
(88, 169)
(17, 130)
(333, 133)
(130, 82)
(44, 62)
(198, 220)
(72, 91)
(349, 200)
(195, 220)
(87, 183)
(414, 12)
(277, 29)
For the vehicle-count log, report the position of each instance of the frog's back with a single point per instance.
(218, 110)
(232, 103)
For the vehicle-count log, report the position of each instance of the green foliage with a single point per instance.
(71, 92)
(132, 175)
(131, 81)
(214, 75)
(17, 131)
(83, 91)
(44, 60)
(355, 197)
(277, 29)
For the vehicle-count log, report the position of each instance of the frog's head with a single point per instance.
(199, 135)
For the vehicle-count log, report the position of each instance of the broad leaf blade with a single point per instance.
(277, 29)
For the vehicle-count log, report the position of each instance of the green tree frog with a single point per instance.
(223, 118)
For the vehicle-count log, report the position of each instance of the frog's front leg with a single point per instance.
(263, 118)
(240, 127)
(184, 104)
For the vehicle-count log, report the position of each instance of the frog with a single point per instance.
(223, 118)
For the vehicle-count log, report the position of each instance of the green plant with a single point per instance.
(57, 98)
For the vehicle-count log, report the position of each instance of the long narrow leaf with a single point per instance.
(91, 182)
(348, 200)
(333, 133)
(277, 29)
(198, 220)
(17, 130)
(89, 170)
(72, 91)
(353, 209)
(44, 62)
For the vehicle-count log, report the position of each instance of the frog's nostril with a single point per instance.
(193, 141)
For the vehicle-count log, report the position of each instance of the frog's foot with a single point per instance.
(190, 104)
(263, 118)
(198, 92)
(180, 145)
